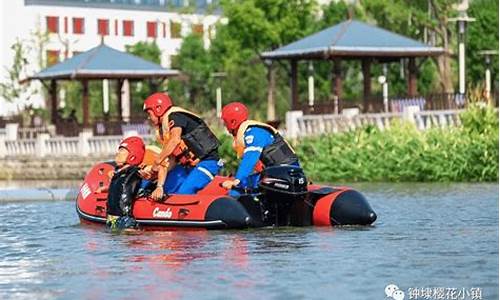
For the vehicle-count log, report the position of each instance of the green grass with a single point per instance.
(402, 153)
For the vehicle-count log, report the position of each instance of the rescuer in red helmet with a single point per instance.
(186, 141)
(259, 145)
(125, 183)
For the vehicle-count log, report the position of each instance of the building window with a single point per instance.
(65, 24)
(52, 57)
(102, 27)
(128, 28)
(78, 25)
(197, 29)
(175, 30)
(52, 24)
(152, 28)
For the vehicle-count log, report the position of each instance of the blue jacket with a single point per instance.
(256, 139)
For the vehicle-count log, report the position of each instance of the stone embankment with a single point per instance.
(53, 168)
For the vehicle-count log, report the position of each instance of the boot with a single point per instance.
(126, 222)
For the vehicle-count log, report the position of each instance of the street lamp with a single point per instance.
(310, 83)
(385, 88)
(462, 21)
(487, 55)
(218, 91)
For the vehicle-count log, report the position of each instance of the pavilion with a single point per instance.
(99, 63)
(353, 40)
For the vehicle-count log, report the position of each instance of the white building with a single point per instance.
(74, 26)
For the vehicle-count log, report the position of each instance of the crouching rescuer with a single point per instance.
(125, 183)
(187, 141)
(259, 145)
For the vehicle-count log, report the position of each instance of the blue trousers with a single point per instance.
(189, 180)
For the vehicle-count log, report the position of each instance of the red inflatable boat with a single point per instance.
(283, 199)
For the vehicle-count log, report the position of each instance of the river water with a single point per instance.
(429, 238)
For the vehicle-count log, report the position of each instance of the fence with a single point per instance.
(45, 146)
(375, 104)
(299, 125)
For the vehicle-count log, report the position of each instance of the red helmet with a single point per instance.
(136, 148)
(234, 114)
(159, 103)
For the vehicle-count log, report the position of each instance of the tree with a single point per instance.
(253, 27)
(11, 89)
(421, 20)
(139, 91)
(196, 66)
(482, 35)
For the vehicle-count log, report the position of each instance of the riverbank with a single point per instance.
(402, 153)
(50, 168)
(468, 153)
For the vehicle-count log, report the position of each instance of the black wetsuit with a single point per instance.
(122, 191)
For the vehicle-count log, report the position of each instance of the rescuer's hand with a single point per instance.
(229, 184)
(157, 194)
(146, 172)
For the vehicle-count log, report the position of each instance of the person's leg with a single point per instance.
(199, 177)
(175, 179)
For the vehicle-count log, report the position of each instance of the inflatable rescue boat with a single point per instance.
(284, 198)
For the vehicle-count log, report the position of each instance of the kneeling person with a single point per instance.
(259, 145)
(187, 140)
(125, 183)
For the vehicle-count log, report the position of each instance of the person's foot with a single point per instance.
(126, 222)
(111, 221)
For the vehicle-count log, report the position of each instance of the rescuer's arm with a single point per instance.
(169, 146)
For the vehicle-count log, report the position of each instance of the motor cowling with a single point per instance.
(286, 179)
(282, 188)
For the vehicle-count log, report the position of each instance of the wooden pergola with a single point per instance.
(353, 40)
(99, 63)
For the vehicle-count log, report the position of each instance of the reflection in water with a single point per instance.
(421, 234)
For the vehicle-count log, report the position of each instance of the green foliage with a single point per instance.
(255, 26)
(195, 63)
(402, 153)
(482, 35)
(11, 88)
(138, 90)
(148, 51)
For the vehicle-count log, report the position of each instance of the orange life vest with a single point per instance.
(181, 151)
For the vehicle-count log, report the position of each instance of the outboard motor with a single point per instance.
(282, 188)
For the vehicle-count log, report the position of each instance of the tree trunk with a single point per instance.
(443, 61)
(271, 86)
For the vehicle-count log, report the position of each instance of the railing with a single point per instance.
(331, 123)
(44, 146)
(62, 146)
(375, 104)
(20, 147)
(437, 118)
(104, 144)
(309, 125)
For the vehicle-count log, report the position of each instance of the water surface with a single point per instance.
(427, 236)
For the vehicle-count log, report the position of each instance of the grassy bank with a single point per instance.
(402, 153)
